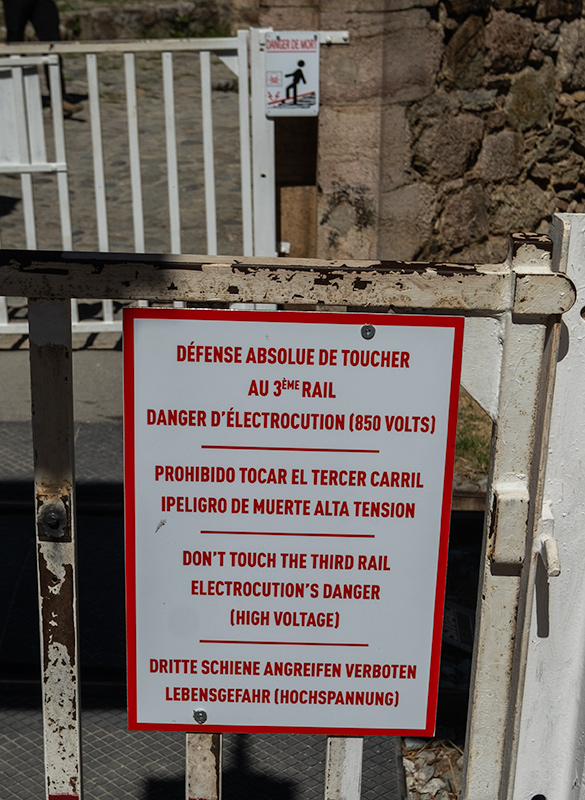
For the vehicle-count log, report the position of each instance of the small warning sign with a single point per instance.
(292, 74)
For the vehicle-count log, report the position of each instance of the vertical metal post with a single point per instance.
(98, 152)
(134, 150)
(343, 778)
(245, 155)
(171, 145)
(60, 154)
(263, 170)
(513, 497)
(551, 746)
(208, 163)
(24, 153)
(52, 420)
(203, 766)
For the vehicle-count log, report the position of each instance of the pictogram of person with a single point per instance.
(297, 76)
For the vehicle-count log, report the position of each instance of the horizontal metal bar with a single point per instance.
(168, 278)
(14, 327)
(222, 45)
(97, 326)
(27, 61)
(26, 168)
(87, 326)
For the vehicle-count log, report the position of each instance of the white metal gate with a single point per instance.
(512, 315)
(228, 204)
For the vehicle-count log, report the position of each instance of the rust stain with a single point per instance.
(57, 607)
(540, 241)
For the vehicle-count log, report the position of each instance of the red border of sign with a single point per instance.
(349, 318)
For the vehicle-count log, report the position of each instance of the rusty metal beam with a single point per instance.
(52, 420)
(399, 286)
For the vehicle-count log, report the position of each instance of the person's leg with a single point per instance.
(44, 16)
(16, 14)
(45, 21)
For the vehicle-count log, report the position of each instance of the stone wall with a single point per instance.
(445, 126)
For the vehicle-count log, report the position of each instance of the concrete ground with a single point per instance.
(97, 375)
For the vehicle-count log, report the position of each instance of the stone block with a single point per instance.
(352, 74)
(571, 58)
(395, 153)
(553, 147)
(406, 224)
(376, 5)
(501, 156)
(577, 124)
(492, 251)
(464, 219)
(508, 39)
(334, 18)
(396, 55)
(463, 8)
(559, 9)
(463, 60)
(290, 19)
(517, 208)
(478, 99)
(180, 18)
(514, 5)
(531, 99)
(351, 6)
(567, 173)
(347, 221)
(412, 58)
(266, 4)
(449, 146)
(349, 146)
(438, 104)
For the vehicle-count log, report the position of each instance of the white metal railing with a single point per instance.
(21, 105)
(252, 146)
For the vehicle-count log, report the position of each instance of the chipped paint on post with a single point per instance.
(514, 493)
(52, 414)
(203, 766)
(343, 776)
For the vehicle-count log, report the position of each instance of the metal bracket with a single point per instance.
(53, 518)
(509, 520)
(543, 294)
(545, 543)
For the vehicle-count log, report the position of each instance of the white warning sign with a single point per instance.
(292, 74)
(288, 486)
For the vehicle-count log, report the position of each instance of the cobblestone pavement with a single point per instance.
(151, 123)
